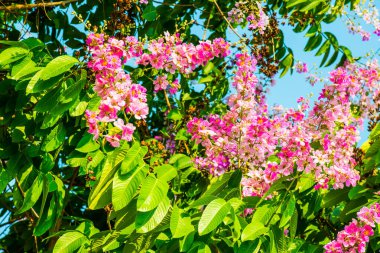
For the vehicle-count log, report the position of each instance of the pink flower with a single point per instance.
(355, 235)
(114, 140)
(301, 67)
(127, 129)
(161, 83)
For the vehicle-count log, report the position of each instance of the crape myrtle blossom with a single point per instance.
(355, 236)
(120, 97)
(370, 14)
(267, 146)
(256, 20)
(259, 21)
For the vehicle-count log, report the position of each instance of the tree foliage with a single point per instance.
(65, 191)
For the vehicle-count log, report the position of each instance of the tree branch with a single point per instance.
(31, 6)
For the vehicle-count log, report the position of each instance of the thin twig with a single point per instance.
(229, 24)
(208, 23)
(167, 100)
(31, 6)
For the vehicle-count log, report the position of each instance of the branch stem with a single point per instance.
(31, 6)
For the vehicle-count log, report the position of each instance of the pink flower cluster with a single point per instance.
(235, 15)
(257, 21)
(260, 21)
(115, 88)
(370, 14)
(171, 54)
(268, 145)
(121, 99)
(355, 236)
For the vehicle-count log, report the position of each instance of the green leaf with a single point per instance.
(25, 68)
(213, 215)
(263, 214)
(323, 48)
(311, 5)
(287, 63)
(70, 242)
(375, 132)
(288, 213)
(5, 177)
(313, 42)
(32, 194)
(58, 66)
(334, 197)
(333, 58)
(293, 224)
(152, 191)
(147, 221)
(125, 186)
(175, 115)
(150, 13)
(12, 54)
(180, 226)
(33, 43)
(47, 220)
(204, 200)
(78, 109)
(55, 138)
(325, 57)
(73, 91)
(134, 156)
(47, 163)
(101, 194)
(49, 99)
(87, 144)
(347, 52)
(180, 161)
(306, 182)
(253, 230)
(206, 79)
(218, 184)
(165, 172)
(292, 3)
(208, 68)
(186, 242)
(313, 30)
(14, 43)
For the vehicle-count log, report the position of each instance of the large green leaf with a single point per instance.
(253, 230)
(147, 221)
(70, 242)
(150, 12)
(289, 210)
(24, 69)
(166, 172)
(152, 192)
(73, 91)
(334, 197)
(5, 177)
(125, 186)
(101, 194)
(58, 66)
(12, 54)
(180, 226)
(213, 215)
(47, 220)
(54, 139)
(133, 158)
(49, 99)
(32, 194)
(87, 144)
